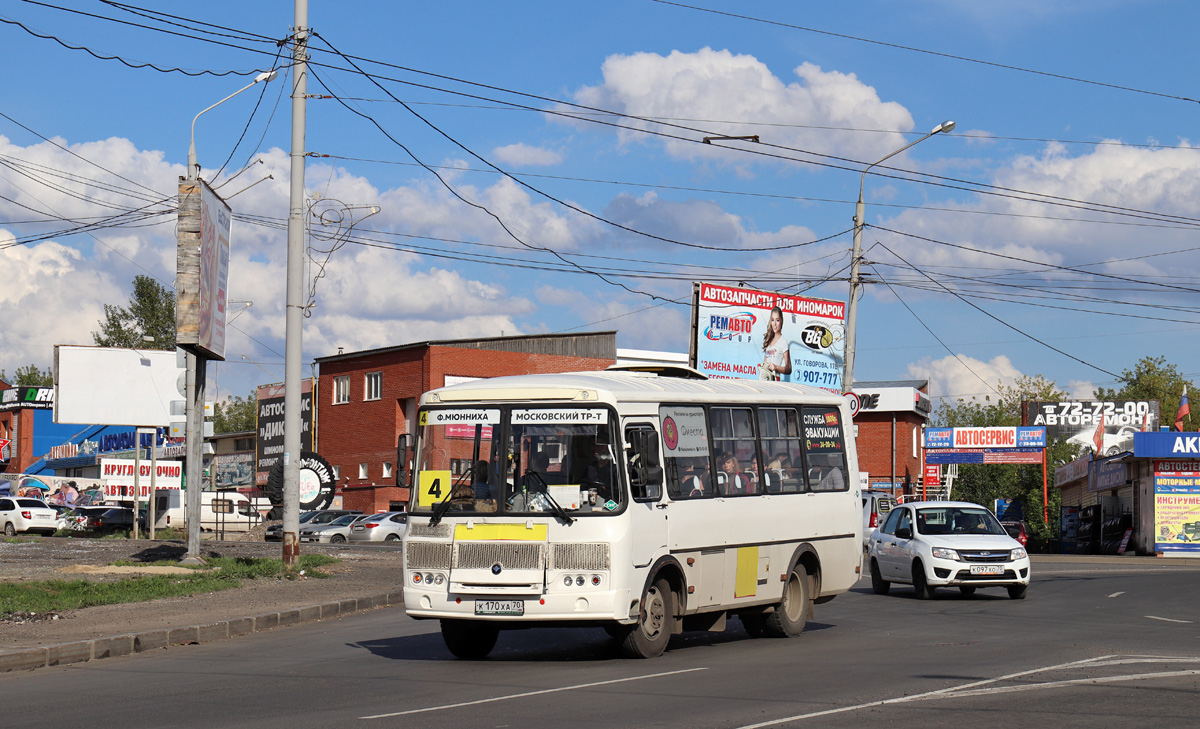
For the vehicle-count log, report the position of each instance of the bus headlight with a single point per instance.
(438, 579)
(579, 581)
(568, 581)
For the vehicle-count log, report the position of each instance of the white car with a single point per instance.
(388, 526)
(22, 514)
(931, 544)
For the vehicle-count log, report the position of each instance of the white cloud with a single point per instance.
(718, 86)
(523, 155)
(964, 377)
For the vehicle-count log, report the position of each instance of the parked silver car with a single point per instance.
(388, 526)
(335, 532)
(22, 514)
(274, 532)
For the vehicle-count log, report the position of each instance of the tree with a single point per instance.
(30, 376)
(983, 484)
(1151, 379)
(236, 415)
(148, 322)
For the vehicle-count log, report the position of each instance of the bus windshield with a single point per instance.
(518, 460)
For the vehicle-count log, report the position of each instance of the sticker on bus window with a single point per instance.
(560, 416)
(432, 487)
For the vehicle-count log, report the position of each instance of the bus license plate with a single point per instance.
(499, 607)
(987, 569)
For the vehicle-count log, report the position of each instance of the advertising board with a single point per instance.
(1075, 421)
(1177, 506)
(730, 325)
(269, 444)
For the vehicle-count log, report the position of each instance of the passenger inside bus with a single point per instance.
(485, 499)
(730, 480)
(601, 472)
(826, 473)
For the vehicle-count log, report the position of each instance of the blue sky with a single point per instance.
(1053, 232)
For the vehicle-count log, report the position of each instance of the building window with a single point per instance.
(374, 388)
(387, 470)
(341, 390)
(362, 471)
(243, 444)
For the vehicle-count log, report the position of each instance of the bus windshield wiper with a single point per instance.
(441, 507)
(559, 512)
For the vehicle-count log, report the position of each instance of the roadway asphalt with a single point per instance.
(233, 624)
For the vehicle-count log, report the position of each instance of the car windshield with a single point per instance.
(957, 520)
(344, 520)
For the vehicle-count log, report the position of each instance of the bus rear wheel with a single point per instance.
(470, 640)
(791, 614)
(648, 638)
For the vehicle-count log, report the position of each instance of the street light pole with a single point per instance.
(193, 165)
(856, 258)
(294, 316)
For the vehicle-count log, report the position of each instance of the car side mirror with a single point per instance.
(904, 533)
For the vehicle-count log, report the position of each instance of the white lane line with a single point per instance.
(1117, 594)
(576, 687)
(974, 688)
(1166, 620)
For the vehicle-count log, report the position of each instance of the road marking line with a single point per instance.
(970, 689)
(533, 693)
(1117, 594)
(1166, 620)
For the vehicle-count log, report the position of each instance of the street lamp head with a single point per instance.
(946, 126)
(273, 73)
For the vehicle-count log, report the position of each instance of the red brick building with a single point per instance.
(889, 421)
(365, 400)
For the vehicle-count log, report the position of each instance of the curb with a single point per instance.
(25, 659)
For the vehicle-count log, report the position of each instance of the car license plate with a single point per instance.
(499, 607)
(357, 528)
(987, 569)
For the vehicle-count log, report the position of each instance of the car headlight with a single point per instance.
(1019, 553)
(943, 553)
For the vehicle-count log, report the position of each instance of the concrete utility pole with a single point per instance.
(295, 293)
(856, 258)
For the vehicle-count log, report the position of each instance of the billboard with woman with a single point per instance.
(748, 334)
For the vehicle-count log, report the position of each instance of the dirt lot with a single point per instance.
(362, 572)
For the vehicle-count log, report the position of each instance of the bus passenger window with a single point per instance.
(779, 431)
(686, 452)
(825, 449)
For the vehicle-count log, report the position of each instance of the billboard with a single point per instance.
(115, 386)
(1177, 506)
(202, 269)
(730, 325)
(269, 444)
(1076, 421)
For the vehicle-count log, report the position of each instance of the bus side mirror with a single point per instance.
(404, 446)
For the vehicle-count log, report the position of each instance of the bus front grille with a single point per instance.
(482, 555)
(427, 556)
(579, 556)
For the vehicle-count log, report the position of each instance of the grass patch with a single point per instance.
(221, 573)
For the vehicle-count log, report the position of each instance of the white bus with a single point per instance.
(643, 502)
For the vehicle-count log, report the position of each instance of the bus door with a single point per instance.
(648, 509)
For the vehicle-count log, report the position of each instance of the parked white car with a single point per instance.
(22, 514)
(335, 532)
(388, 526)
(931, 544)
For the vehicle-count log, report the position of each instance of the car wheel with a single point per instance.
(790, 615)
(1017, 592)
(337, 539)
(392, 538)
(470, 640)
(879, 585)
(967, 590)
(10, 530)
(648, 638)
(920, 584)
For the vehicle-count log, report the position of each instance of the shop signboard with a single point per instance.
(1076, 421)
(1177, 505)
(730, 325)
(1170, 444)
(984, 455)
(118, 476)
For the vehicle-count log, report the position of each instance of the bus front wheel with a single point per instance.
(649, 637)
(470, 640)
